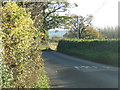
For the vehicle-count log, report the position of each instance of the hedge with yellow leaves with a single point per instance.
(22, 65)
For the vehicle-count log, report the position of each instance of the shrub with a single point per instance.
(22, 65)
(102, 51)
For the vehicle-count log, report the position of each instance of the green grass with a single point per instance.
(54, 43)
(43, 47)
(103, 57)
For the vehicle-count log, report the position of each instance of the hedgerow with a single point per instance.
(22, 65)
(102, 51)
(111, 44)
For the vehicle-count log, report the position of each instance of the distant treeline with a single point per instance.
(110, 32)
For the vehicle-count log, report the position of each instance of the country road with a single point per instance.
(69, 72)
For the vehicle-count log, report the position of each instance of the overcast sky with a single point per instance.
(105, 12)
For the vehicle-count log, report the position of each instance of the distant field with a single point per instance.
(58, 33)
(50, 46)
(43, 46)
(101, 51)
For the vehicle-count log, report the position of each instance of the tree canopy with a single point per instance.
(46, 14)
(81, 27)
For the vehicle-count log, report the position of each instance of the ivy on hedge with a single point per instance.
(22, 66)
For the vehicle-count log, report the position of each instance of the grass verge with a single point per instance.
(104, 57)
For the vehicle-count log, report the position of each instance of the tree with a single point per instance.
(80, 23)
(71, 34)
(48, 14)
(81, 27)
(110, 32)
(51, 11)
(91, 33)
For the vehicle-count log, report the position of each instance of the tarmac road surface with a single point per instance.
(69, 72)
